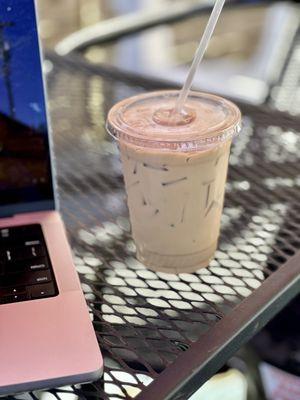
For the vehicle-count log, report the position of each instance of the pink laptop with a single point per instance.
(46, 335)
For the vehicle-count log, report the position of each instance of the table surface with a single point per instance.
(162, 335)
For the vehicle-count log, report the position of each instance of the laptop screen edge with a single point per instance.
(49, 204)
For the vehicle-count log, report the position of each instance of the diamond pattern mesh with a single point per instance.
(145, 320)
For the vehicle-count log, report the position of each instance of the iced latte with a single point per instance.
(175, 169)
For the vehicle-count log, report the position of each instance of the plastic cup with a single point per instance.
(175, 170)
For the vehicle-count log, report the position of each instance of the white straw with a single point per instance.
(199, 54)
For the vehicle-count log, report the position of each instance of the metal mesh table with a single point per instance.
(163, 335)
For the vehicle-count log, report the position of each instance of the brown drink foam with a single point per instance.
(175, 175)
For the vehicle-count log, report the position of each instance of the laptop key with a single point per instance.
(4, 233)
(5, 256)
(14, 298)
(35, 242)
(38, 264)
(8, 235)
(27, 265)
(12, 291)
(40, 277)
(26, 278)
(40, 291)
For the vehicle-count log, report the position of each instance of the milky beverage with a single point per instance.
(175, 169)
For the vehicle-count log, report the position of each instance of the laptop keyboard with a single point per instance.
(25, 268)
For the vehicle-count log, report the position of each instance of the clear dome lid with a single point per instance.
(148, 120)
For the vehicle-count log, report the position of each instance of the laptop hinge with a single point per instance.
(11, 210)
